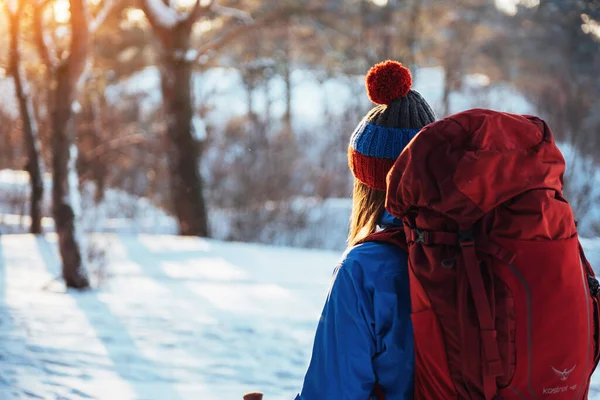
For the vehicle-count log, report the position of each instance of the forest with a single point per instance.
(231, 118)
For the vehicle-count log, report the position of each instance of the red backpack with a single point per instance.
(505, 304)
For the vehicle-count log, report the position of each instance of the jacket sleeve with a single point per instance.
(341, 364)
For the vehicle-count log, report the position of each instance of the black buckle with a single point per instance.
(420, 236)
(466, 238)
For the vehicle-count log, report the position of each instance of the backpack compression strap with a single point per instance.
(487, 330)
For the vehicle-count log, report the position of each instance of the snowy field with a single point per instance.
(177, 318)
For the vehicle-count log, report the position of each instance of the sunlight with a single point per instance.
(590, 26)
(62, 11)
(507, 6)
(207, 25)
(380, 3)
(135, 15)
(189, 3)
(510, 6)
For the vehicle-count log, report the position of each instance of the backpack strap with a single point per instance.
(428, 238)
(394, 235)
(378, 392)
(487, 329)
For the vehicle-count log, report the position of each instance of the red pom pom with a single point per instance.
(388, 81)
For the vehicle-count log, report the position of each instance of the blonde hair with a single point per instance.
(367, 206)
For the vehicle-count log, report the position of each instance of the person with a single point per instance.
(364, 340)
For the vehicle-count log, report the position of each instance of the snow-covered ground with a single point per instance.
(178, 318)
(119, 211)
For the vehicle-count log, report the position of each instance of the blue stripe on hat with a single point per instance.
(379, 141)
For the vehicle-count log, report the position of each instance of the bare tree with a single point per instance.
(64, 74)
(177, 60)
(15, 13)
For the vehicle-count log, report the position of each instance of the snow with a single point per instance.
(119, 212)
(199, 128)
(9, 103)
(189, 55)
(179, 318)
(74, 200)
(164, 15)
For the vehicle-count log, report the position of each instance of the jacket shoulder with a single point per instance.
(374, 258)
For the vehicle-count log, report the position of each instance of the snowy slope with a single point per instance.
(180, 319)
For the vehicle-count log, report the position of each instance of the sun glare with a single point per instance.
(135, 15)
(188, 3)
(510, 6)
(380, 3)
(61, 11)
(590, 26)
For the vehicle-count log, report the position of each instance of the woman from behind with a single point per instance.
(363, 346)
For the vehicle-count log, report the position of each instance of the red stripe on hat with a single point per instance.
(369, 170)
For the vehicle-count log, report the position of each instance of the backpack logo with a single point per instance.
(564, 375)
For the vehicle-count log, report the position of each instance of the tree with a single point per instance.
(15, 13)
(64, 74)
(177, 59)
(560, 80)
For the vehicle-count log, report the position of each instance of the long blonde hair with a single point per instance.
(367, 206)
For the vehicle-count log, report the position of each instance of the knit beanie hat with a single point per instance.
(386, 130)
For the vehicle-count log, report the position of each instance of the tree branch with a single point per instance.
(197, 11)
(44, 47)
(264, 20)
(115, 144)
(161, 16)
(240, 15)
(80, 40)
(214, 8)
(107, 7)
(14, 8)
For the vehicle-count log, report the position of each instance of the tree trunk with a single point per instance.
(287, 77)
(411, 33)
(99, 165)
(184, 150)
(388, 31)
(250, 98)
(447, 91)
(30, 129)
(268, 103)
(64, 183)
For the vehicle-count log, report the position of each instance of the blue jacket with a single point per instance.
(365, 333)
